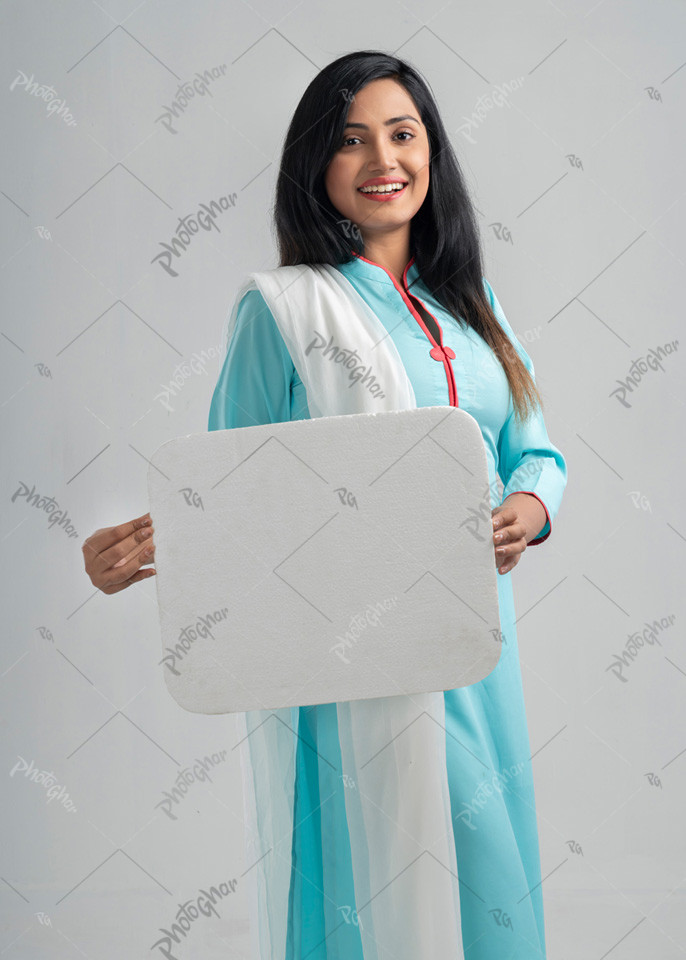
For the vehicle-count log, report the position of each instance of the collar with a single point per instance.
(361, 266)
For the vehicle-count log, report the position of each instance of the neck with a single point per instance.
(390, 251)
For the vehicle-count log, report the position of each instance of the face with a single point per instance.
(372, 148)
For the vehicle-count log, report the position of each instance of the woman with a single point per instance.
(369, 185)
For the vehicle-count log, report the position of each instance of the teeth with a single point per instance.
(383, 188)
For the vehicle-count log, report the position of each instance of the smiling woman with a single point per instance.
(370, 197)
(373, 211)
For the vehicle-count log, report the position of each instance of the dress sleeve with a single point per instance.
(258, 382)
(527, 461)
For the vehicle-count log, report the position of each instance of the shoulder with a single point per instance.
(497, 309)
(256, 332)
(251, 304)
(269, 298)
(492, 299)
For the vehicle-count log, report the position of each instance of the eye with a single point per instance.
(406, 133)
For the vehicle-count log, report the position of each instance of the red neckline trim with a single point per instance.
(361, 256)
(438, 345)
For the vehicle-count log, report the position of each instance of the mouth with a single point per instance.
(383, 192)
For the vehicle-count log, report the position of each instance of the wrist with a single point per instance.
(530, 511)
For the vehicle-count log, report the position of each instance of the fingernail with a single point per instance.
(120, 563)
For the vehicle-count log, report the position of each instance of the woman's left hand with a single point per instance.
(509, 538)
(516, 521)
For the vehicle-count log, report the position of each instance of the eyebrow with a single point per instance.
(387, 123)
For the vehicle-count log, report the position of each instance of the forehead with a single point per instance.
(381, 100)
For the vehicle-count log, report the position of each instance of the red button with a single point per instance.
(438, 353)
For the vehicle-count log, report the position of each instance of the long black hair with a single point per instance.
(444, 233)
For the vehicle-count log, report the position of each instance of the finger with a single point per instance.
(506, 567)
(504, 552)
(508, 534)
(502, 535)
(142, 574)
(102, 540)
(131, 564)
(123, 551)
(502, 516)
(510, 557)
(500, 557)
(133, 546)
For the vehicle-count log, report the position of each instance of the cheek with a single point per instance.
(422, 166)
(335, 179)
(421, 176)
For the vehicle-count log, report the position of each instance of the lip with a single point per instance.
(378, 181)
(383, 197)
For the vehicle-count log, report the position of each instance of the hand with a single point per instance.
(509, 537)
(114, 556)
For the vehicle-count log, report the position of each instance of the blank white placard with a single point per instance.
(321, 560)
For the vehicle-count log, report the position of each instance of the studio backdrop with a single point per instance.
(141, 145)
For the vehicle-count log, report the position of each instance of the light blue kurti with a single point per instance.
(488, 753)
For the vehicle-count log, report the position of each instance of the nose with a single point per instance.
(382, 155)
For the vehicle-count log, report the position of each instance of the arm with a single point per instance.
(258, 382)
(528, 463)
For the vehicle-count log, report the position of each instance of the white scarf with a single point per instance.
(393, 749)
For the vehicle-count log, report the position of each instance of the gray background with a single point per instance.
(578, 181)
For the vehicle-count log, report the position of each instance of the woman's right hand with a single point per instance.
(115, 556)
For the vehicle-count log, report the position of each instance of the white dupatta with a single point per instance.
(393, 749)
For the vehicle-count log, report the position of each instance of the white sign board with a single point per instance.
(322, 560)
